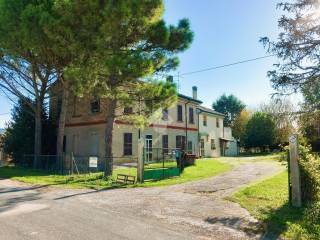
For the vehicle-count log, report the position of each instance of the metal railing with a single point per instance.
(73, 164)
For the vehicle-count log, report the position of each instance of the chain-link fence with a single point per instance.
(75, 164)
(48, 163)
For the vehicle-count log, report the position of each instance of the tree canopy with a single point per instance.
(121, 46)
(231, 106)
(28, 66)
(283, 115)
(298, 47)
(240, 124)
(260, 131)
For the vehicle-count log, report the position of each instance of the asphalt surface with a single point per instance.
(196, 210)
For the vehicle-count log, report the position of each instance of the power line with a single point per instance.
(2, 114)
(225, 65)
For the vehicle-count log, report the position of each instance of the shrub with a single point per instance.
(310, 175)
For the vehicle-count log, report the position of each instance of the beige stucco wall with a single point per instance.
(85, 131)
(82, 142)
(212, 133)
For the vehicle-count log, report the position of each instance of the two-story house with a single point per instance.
(215, 140)
(185, 125)
(85, 128)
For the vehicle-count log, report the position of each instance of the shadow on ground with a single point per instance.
(251, 229)
(276, 221)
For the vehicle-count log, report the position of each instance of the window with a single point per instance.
(95, 106)
(165, 114)
(179, 112)
(191, 115)
(202, 147)
(190, 146)
(213, 144)
(165, 144)
(127, 110)
(127, 144)
(204, 120)
(217, 122)
(64, 144)
(181, 142)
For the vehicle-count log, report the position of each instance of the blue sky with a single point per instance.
(225, 31)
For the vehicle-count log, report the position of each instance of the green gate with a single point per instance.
(161, 163)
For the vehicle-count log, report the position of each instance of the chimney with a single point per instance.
(195, 92)
(170, 79)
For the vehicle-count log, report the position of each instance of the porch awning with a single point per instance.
(227, 140)
(203, 134)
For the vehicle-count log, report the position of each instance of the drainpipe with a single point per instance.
(198, 111)
(186, 126)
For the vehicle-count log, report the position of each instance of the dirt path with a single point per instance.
(193, 210)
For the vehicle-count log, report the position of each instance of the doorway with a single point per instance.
(148, 148)
(202, 147)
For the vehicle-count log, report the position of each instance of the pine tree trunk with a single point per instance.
(62, 120)
(110, 116)
(37, 136)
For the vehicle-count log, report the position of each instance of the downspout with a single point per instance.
(186, 126)
(186, 120)
(198, 113)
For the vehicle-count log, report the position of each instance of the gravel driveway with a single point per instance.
(195, 210)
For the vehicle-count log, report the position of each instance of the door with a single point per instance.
(94, 144)
(148, 148)
(202, 147)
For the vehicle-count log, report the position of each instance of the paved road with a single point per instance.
(194, 210)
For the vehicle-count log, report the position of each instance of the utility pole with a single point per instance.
(294, 171)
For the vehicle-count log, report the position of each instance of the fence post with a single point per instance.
(140, 165)
(294, 171)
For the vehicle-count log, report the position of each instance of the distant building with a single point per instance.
(215, 140)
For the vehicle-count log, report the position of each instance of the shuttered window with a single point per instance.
(191, 116)
(179, 113)
(213, 144)
(165, 114)
(127, 144)
(204, 120)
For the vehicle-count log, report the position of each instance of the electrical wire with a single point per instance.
(223, 66)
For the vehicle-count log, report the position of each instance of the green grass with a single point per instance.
(279, 157)
(267, 201)
(204, 168)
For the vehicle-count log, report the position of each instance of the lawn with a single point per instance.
(267, 201)
(278, 157)
(204, 168)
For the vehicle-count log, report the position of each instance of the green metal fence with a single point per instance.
(161, 163)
